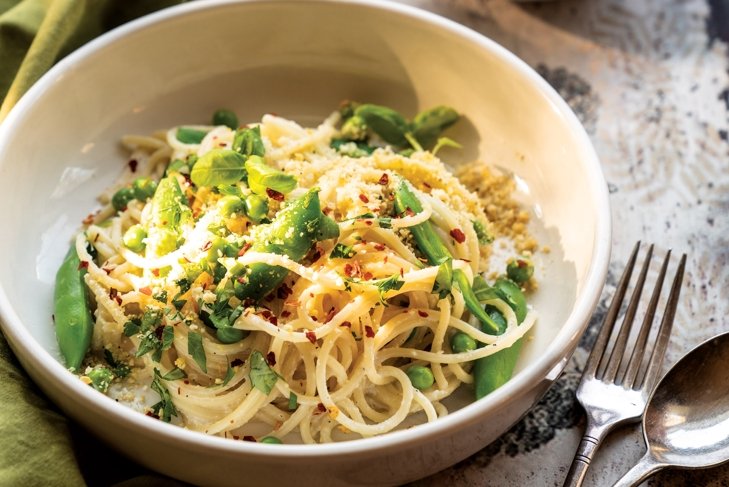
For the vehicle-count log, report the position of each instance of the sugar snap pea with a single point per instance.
(492, 372)
(72, 314)
(437, 253)
(292, 232)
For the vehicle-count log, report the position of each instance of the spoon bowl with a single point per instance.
(687, 419)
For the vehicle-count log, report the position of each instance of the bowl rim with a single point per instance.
(547, 366)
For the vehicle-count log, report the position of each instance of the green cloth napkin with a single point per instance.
(38, 445)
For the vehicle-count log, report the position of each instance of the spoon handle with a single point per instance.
(645, 467)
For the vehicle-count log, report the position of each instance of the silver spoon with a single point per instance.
(686, 423)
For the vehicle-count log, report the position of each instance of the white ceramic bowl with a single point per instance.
(59, 149)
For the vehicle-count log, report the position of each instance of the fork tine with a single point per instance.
(616, 355)
(636, 358)
(608, 324)
(664, 332)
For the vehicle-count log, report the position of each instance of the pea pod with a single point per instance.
(72, 314)
(437, 253)
(428, 124)
(293, 232)
(490, 373)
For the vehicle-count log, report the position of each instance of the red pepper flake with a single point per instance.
(114, 294)
(346, 324)
(368, 223)
(236, 362)
(402, 272)
(89, 219)
(207, 246)
(249, 438)
(235, 437)
(409, 212)
(422, 314)
(271, 358)
(151, 415)
(369, 332)
(349, 270)
(367, 276)
(244, 249)
(285, 313)
(133, 165)
(83, 265)
(385, 259)
(379, 246)
(458, 235)
(283, 291)
(311, 336)
(427, 185)
(155, 272)
(384, 179)
(145, 290)
(363, 198)
(269, 297)
(107, 270)
(313, 318)
(321, 408)
(274, 195)
(330, 314)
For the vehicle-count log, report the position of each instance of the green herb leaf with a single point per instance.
(196, 350)
(132, 327)
(341, 251)
(120, 369)
(445, 142)
(429, 124)
(384, 222)
(175, 374)
(247, 141)
(219, 167)
(293, 401)
(229, 373)
(188, 135)
(168, 336)
(385, 122)
(165, 408)
(391, 283)
(262, 376)
(261, 176)
(444, 279)
(161, 297)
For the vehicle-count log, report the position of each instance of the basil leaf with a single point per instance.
(341, 251)
(165, 409)
(132, 327)
(443, 279)
(168, 336)
(247, 141)
(175, 374)
(261, 176)
(218, 167)
(188, 135)
(391, 283)
(385, 122)
(262, 376)
(429, 124)
(196, 350)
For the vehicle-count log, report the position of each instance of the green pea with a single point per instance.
(462, 342)
(230, 205)
(271, 439)
(121, 198)
(225, 117)
(256, 207)
(144, 188)
(101, 378)
(217, 250)
(134, 238)
(519, 270)
(421, 377)
(228, 334)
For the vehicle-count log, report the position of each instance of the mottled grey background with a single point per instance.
(650, 81)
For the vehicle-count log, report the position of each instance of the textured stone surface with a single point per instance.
(650, 82)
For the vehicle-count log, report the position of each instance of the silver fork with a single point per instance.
(614, 392)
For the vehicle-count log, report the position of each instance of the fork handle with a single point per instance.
(590, 442)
